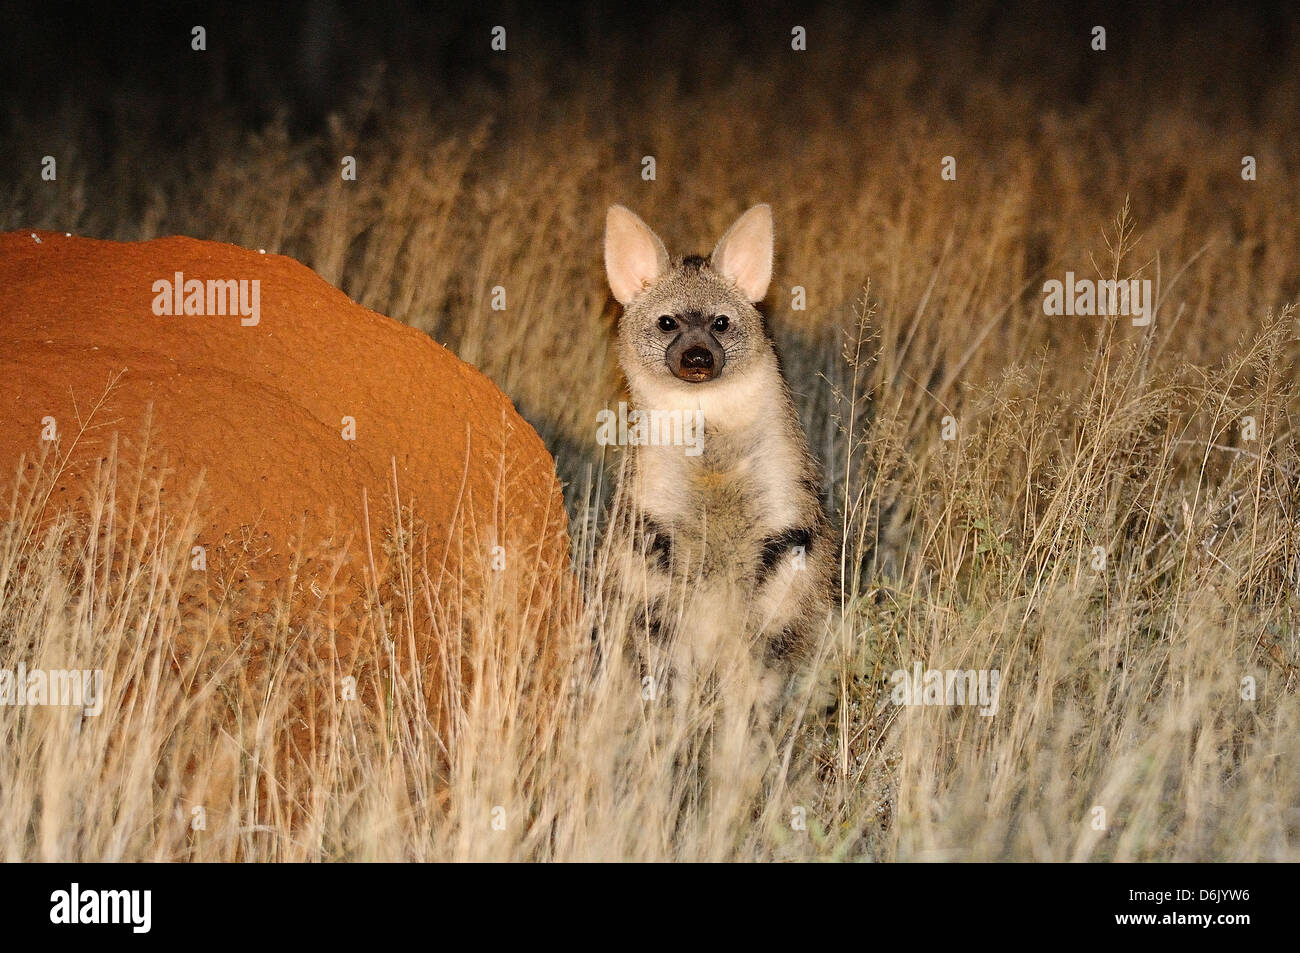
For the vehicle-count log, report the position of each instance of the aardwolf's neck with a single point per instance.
(751, 468)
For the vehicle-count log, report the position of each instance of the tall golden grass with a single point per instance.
(1122, 731)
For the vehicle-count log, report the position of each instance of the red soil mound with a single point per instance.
(303, 413)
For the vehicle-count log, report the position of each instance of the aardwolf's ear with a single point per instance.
(744, 254)
(634, 255)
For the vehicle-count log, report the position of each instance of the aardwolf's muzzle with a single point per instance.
(695, 364)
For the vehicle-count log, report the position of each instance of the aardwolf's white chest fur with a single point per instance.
(724, 557)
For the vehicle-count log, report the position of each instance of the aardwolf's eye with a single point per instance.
(667, 323)
(720, 323)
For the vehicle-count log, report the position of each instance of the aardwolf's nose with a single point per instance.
(697, 358)
(696, 362)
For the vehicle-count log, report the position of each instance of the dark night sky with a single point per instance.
(261, 58)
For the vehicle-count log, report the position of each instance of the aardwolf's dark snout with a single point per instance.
(696, 364)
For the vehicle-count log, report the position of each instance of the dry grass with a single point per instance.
(1121, 687)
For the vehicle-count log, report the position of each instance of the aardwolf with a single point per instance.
(721, 552)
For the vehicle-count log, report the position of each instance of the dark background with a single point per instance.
(131, 65)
